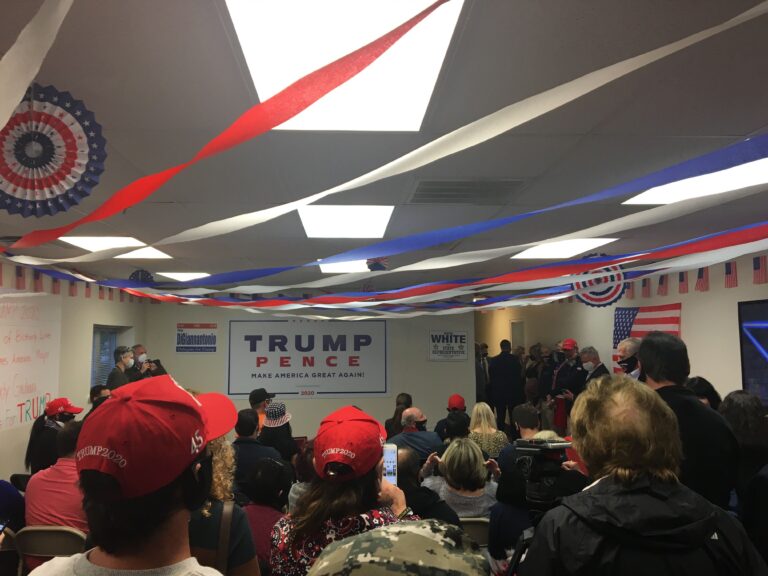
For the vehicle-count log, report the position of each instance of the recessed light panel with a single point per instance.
(97, 243)
(284, 40)
(344, 267)
(184, 276)
(736, 178)
(563, 248)
(145, 253)
(345, 221)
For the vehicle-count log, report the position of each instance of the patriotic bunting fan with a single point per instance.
(602, 291)
(52, 154)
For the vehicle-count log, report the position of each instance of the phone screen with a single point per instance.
(390, 463)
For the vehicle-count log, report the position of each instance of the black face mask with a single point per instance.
(65, 417)
(421, 426)
(629, 365)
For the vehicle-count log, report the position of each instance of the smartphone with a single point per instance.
(390, 463)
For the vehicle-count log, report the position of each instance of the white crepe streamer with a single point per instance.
(22, 62)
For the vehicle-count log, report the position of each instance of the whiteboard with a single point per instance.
(30, 340)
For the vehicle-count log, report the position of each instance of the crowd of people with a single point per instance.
(577, 470)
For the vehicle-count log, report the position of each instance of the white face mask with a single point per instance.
(142, 358)
(589, 366)
(128, 363)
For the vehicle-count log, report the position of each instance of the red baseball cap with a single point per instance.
(351, 437)
(569, 344)
(60, 406)
(149, 432)
(456, 402)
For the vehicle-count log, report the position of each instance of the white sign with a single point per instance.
(308, 358)
(447, 346)
(30, 330)
(196, 337)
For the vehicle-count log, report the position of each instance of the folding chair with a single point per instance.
(19, 481)
(8, 551)
(477, 529)
(49, 541)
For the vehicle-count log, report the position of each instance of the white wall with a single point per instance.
(408, 369)
(78, 316)
(709, 324)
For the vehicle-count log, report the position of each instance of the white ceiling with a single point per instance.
(164, 77)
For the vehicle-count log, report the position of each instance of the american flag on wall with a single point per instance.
(646, 287)
(630, 293)
(682, 283)
(637, 322)
(731, 276)
(21, 278)
(702, 280)
(37, 281)
(663, 288)
(759, 270)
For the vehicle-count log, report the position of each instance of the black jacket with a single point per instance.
(710, 450)
(248, 451)
(506, 378)
(755, 511)
(427, 504)
(598, 372)
(647, 528)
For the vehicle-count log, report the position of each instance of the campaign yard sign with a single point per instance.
(308, 358)
(193, 337)
(447, 346)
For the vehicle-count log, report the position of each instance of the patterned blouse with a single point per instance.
(490, 443)
(296, 560)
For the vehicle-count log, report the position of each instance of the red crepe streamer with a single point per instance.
(259, 119)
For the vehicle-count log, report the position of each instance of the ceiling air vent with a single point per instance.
(474, 192)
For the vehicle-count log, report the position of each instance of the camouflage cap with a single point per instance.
(426, 547)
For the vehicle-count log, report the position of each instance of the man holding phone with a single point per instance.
(143, 367)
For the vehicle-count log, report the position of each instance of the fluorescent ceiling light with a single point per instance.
(344, 267)
(184, 276)
(345, 221)
(97, 243)
(148, 253)
(563, 248)
(283, 40)
(728, 180)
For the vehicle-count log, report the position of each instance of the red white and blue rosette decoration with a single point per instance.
(53, 154)
(602, 290)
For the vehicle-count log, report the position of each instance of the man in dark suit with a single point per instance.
(506, 386)
(590, 362)
(710, 450)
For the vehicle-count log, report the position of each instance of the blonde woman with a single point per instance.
(482, 430)
(636, 518)
(205, 524)
(463, 484)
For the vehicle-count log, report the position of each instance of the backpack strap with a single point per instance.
(222, 554)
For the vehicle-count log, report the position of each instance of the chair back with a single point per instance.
(49, 541)
(477, 529)
(19, 481)
(9, 557)
(9, 540)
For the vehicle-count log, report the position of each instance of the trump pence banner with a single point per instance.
(308, 358)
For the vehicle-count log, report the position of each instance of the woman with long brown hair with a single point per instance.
(348, 497)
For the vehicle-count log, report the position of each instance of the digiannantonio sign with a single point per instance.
(308, 358)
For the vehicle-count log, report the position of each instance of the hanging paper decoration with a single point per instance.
(377, 264)
(53, 154)
(141, 276)
(602, 291)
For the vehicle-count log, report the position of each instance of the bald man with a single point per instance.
(415, 434)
